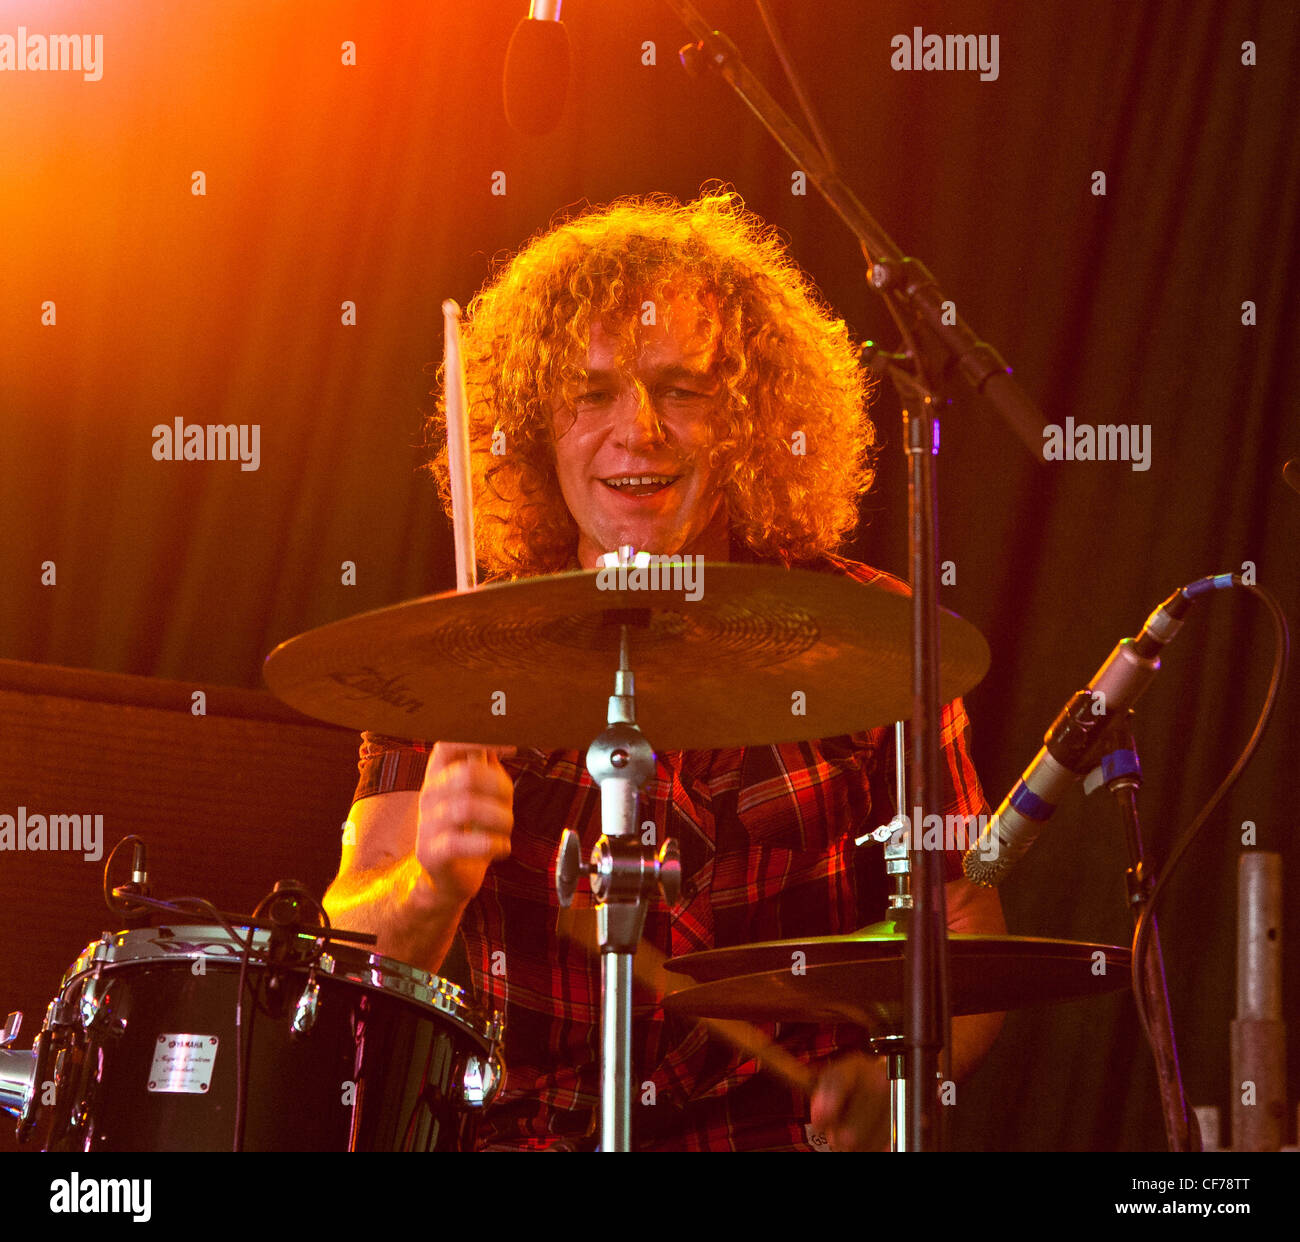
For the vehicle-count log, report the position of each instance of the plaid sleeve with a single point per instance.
(389, 764)
(962, 794)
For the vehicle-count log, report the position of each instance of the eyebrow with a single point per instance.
(673, 371)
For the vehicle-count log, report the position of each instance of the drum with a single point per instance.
(345, 1050)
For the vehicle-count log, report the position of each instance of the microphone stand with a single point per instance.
(1121, 773)
(918, 306)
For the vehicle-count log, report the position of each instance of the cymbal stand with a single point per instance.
(891, 1048)
(623, 875)
(898, 855)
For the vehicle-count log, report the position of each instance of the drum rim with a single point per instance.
(372, 971)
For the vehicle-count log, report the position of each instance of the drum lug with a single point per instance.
(304, 1014)
(60, 1014)
(483, 1078)
(484, 1075)
(93, 1006)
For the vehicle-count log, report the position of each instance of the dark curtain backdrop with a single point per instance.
(372, 184)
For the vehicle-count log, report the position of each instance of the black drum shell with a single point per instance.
(376, 1071)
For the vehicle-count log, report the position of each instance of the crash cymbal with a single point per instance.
(859, 978)
(763, 655)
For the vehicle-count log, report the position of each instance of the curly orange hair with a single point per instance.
(785, 363)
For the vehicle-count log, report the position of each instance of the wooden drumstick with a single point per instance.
(462, 492)
(648, 970)
(462, 489)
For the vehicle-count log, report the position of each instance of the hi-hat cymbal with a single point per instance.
(860, 977)
(763, 655)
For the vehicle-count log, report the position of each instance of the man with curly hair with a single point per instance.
(659, 375)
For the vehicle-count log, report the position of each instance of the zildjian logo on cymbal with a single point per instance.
(369, 683)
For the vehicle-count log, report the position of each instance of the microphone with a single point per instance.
(134, 915)
(536, 74)
(1070, 747)
(140, 869)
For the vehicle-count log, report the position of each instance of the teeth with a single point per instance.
(643, 480)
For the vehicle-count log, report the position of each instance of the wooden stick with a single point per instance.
(462, 493)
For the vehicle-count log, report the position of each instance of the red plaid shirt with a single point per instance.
(766, 835)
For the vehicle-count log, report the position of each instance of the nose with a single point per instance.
(639, 422)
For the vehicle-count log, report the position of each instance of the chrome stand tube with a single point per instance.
(623, 875)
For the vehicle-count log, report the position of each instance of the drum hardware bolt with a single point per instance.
(569, 866)
(885, 832)
(668, 871)
(304, 1014)
(13, 1024)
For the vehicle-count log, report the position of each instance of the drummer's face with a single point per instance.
(647, 418)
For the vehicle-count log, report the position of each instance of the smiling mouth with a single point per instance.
(638, 485)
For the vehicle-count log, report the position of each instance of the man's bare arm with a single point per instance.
(973, 910)
(382, 889)
(414, 861)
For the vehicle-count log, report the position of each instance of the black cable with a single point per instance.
(242, 1053)
(1281, 657)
